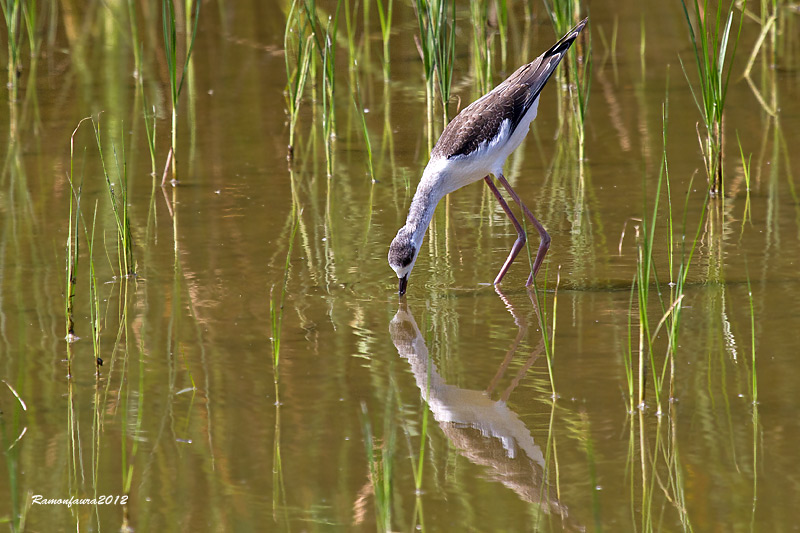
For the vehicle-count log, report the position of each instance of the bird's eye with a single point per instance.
(407, 256)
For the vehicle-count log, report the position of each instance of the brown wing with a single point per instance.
(481, 121)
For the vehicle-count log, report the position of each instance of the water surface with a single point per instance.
(190, 418)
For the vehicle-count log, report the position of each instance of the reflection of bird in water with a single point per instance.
(474, 146)
(484, 431)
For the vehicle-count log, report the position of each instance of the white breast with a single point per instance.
(489, 158)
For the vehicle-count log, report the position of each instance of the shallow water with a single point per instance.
(190, 419)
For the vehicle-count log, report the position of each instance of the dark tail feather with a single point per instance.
(566, 41)
(536, 73)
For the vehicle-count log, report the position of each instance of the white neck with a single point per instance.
(429, 191)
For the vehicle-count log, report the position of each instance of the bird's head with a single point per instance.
(402, 256)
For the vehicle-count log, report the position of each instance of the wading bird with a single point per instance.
(475, 145)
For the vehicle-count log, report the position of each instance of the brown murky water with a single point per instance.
(190, 420)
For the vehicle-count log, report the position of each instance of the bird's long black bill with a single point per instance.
(401, 290)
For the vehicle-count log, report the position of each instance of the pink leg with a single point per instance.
(544, 244)
(519, 243)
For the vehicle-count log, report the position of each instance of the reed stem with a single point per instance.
(171, 53)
